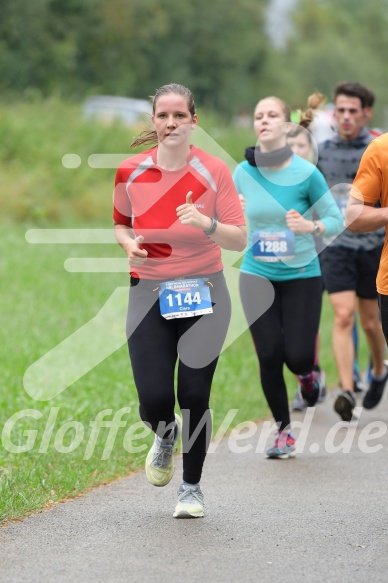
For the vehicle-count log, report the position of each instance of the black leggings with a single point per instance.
(156, 344)
(285, 334)
(383, 305)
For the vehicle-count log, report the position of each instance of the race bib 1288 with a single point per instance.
(273, 245)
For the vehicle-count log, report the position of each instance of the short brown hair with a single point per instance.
(350, 89)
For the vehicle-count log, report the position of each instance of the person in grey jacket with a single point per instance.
(350, 262)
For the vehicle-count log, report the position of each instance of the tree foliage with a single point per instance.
(130, 47)
(332, 41)
(219, 49)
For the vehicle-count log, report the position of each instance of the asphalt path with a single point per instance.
(319, 517)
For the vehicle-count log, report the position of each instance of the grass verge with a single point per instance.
(54, 449)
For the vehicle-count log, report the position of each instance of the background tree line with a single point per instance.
(219, 49)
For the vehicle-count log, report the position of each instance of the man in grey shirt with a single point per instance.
(350, 262)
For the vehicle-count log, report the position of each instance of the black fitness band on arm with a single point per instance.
(213, 227)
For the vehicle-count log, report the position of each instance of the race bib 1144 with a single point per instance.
(185, 298)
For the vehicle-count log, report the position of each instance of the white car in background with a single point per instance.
(109, 108)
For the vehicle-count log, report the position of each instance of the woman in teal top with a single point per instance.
(282, 193)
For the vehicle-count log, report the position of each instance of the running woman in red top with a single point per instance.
(174, 207)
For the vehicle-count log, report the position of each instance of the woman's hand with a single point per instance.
(136, 255)
(189, 215)
(297, 223)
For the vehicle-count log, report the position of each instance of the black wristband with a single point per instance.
(212, 227)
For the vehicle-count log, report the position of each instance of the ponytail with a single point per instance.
(146, 137)
(306, 116)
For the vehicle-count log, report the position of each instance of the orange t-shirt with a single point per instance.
(371, 185)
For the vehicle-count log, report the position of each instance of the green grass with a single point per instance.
(42, 304)
(34, 137)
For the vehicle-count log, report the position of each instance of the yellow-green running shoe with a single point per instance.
(190, 502)
(159, 465)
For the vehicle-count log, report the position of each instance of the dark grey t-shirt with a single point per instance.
(338, 160)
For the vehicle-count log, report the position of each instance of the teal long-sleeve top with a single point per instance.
(273, 250)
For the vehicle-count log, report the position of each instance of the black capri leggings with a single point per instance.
(156, 344)
(383, 305)
(285, 334)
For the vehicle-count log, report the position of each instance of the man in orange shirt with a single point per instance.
(370, 187)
